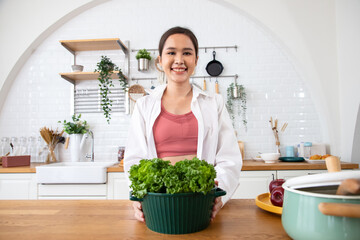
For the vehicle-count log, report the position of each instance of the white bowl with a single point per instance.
(77, 68)
(270, 157)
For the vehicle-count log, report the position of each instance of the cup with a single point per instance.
(290, 151)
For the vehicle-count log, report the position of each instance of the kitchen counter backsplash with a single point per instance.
(40, 97)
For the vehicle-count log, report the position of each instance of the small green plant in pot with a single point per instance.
(236, 97)
(105, 69)
(76, 130)
(143, 57)
(183, 190)
(77, 126)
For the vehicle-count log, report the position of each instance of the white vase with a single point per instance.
(75, 151)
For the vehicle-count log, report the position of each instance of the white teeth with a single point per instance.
(178, 70)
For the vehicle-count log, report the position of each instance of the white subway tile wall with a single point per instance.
(40, 97)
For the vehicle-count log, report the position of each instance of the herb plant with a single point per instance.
(239, 101)
(157, 175)
(105, 68)
(76, 127)
(143, 53)
(148, 176)
(190, 176)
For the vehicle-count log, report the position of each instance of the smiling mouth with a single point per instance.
(179, 70)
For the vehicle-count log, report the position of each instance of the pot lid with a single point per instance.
(321, 179)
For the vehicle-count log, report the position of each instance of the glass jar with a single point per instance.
(41, 150)
(31, 149)
(14, 145)
(5, 146)
(52, 154)
(307, 150)
(23, 146)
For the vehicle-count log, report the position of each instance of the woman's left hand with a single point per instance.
(217, 205)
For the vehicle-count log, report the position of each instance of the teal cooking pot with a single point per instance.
(312, 210)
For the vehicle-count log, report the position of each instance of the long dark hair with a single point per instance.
(180, 30)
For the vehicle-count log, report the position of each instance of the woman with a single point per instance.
(179, 121)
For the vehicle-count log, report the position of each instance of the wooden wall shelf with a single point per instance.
(73, 76)
(94, 45)
(74, 46)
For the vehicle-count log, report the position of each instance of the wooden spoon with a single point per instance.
(333, 164)
(349, 187)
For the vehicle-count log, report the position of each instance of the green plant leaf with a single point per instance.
(157, 175)
(77, 126)
(143, 53)
(105, 68)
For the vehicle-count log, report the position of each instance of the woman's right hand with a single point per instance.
(139, 215)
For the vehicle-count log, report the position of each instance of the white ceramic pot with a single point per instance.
(75, 149)
(77, 68)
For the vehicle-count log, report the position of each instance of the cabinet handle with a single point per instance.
(273, 176)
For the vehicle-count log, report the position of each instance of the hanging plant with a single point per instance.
(105, 68)
(143, 53)
(236, 95)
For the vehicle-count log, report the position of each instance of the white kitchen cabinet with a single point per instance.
(287, 174)
(117, 186)
(18, 186)
(253, 183)
(72, 191)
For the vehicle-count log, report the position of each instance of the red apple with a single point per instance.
(277, 196)
(275, 183)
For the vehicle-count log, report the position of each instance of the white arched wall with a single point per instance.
(306, 51)
(311, 42)
(307, 30)
(23, 27)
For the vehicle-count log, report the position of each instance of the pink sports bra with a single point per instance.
(175, 135)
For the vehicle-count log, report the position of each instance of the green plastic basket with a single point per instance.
(179, 213)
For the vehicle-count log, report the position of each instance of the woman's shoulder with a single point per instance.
(213, 98)
(144, 101)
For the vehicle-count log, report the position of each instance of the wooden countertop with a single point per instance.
(252, 165)
(113, 219)
(249, 165)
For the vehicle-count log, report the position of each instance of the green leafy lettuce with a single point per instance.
(159, 176)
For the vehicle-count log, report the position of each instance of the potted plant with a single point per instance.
(76, 130)
(105, 69)
(143, 57)
(236, 95)
(183, 190)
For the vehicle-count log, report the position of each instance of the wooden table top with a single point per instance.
(113, 219)
(252, 165)
(248, 165)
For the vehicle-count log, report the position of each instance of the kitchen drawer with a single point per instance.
(72, 190)
(253, 183)
(18, 186)
(287, 174)
(72, 197)
(117, 186)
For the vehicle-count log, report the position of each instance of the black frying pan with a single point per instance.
(214, 68)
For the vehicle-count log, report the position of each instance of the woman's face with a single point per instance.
(178, 58)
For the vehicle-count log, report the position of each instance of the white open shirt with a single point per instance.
(217, 143)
